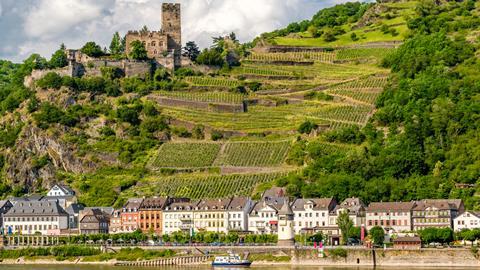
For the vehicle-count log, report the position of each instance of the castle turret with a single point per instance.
(286, 233)
(172, 26)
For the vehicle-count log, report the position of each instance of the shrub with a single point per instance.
(50, 80)
(128, 114)
(329, 36)
(111, 73)
(215, 136)
(307, 127)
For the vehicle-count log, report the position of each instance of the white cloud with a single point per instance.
(41, 25)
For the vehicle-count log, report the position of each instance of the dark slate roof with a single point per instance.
(4, 202)
(238, 203)
(213, 204)
(155, 203)
(318, 204)
(274, 192)
(181, 206)
(93, 215)
(36, 208)
(275, 203)
(286, 209)
(107, 209)
(441, 204)
(74, 208)
(133, 203)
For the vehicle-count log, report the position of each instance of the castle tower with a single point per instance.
(172, 26)
(286, 233)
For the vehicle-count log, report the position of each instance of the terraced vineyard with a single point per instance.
(206, 96)
(292, 57)
(185, 155)
(365, 90)
(212, 81)
(363, 53)
(282, 119)
(350, 114)
(204, 186)
(253, 154)
(259, 70)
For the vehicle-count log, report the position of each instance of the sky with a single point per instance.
(40, 26)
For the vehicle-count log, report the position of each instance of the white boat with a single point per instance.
(231, 260)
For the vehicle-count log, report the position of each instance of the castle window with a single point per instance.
(161, 44)
(154, 43)
(154, 51)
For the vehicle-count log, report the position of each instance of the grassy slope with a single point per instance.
(366, 34)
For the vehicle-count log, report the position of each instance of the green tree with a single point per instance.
(345, 224)
(378, 235)
(92, 49)
(116, 47)
(211, 57)
(59, 59)
(138, 51)
(191, 50)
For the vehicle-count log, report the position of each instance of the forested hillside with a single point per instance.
(423, 141)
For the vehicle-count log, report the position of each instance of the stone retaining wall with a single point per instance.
(215, 107)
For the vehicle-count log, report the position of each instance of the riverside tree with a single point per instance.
(345, 224)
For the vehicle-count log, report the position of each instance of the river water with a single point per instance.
(105, 267)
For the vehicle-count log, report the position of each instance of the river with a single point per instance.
(105, 267)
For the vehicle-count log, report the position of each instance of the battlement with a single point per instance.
(171, 7)
(146, 34)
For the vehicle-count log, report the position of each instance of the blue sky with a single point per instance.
(40, 26)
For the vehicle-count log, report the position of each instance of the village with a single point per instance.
(59, 214)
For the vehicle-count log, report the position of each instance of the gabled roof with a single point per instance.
(74, 208)
(390, 206)
(473, 213)
(156, 203)
(4, 203)
(317, 204)
(274, 192)
(213, 204)
(133, 203)
(179, 206)
(93, 215)
(238, 203)
(36, 208)
(64, 188)
(353, 205)
(274, 203)
(105, 209)
(440, 204)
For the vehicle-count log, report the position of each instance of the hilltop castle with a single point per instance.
(164, 45)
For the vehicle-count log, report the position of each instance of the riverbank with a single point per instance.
(461, 257)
